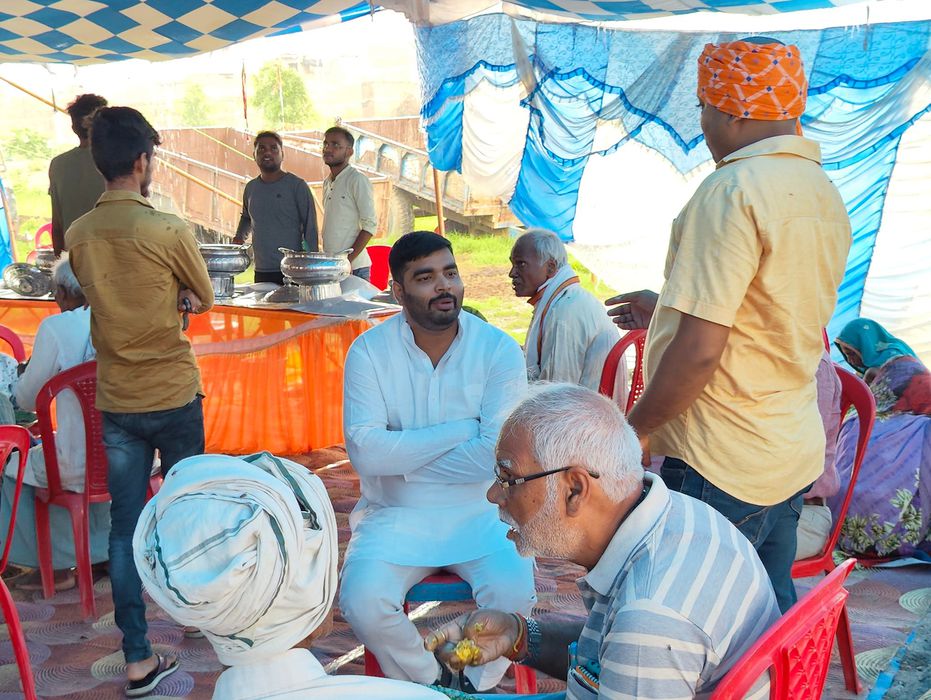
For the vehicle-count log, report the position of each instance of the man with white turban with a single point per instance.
(245, 550)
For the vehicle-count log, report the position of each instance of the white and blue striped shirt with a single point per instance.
(678, 596)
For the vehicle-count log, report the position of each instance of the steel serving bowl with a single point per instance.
(225, 258)
(315, 268)
(27, 280)
(45, 259)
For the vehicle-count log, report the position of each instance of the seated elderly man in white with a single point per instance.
(244, 549)
(570, 335)
(62, 341)
(424, 396)
(675, 594)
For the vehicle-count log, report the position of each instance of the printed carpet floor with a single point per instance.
(76, 660)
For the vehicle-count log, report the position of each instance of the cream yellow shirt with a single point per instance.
(761, 247)
(131, 260)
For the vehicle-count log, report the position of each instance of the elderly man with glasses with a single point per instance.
(674, 593)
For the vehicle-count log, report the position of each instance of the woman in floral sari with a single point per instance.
(891, 507)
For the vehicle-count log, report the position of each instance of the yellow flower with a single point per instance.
(468, 652)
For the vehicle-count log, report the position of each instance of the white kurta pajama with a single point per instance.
(422, 440)
(577, 335)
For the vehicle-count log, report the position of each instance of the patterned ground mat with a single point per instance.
(77, 660)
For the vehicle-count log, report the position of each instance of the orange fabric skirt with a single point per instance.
(273, 379)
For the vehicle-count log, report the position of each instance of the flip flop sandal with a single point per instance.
(144, 686)
(193, 633)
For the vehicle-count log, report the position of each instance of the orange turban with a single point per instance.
(753, 81)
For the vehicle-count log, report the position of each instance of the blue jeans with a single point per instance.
(770, 529)
(364, 273)
(131, 440)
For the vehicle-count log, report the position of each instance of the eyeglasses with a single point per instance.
(505, 484)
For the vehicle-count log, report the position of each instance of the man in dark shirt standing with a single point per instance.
(278, 208)
(74, 183)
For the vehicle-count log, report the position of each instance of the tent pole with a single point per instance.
(179, 171)
(31, 94)
(438, 195)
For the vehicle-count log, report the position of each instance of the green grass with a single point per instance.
(510, 314)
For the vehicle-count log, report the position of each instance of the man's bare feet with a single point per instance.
(64, 580)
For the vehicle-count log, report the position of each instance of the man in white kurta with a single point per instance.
(425, 395)
(569, 336)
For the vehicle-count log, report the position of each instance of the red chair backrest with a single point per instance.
(854, 392)
(796, 649)
(637, 338)
(82, 380)
(379, 273)
(13, 340)
(13, 437)
(46, 229)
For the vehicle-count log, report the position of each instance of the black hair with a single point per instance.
(119, 135)
(414, 246)
(270, 134)
(762, 40)
(81, 107)
(350, 139)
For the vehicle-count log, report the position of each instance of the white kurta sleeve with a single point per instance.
(373, 448)
(44, 364)
(473, 460)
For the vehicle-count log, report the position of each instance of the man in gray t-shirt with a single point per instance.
(278, 208)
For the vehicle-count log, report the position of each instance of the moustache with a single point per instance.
(441, 297)
(504, 517)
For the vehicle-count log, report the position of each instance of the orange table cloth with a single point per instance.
(273, 379)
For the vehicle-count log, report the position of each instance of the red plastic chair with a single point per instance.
(82, 380)
(447, 587)
(638, 339)
(796, 650)
(854, 392)
(379, 273)
(13, 437)
(9, 336)
(46, 229)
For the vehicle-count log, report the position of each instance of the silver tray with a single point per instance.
(27, 280)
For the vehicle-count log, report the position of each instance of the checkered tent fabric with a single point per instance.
(646, 9)
(94, 31)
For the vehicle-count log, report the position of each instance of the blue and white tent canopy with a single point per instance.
(537, 113)
(93, 31)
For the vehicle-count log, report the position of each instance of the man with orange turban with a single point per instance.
(754, 263)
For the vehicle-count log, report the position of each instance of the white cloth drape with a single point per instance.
(243, 549)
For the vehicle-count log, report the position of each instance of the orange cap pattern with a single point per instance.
(753, 81)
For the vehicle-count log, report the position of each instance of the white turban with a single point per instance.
(244, 549)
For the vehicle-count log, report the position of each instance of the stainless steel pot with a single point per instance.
(45, 260)
(223, 286)
(225, 258)
(224, 261)
(315, 268)
(318, 292)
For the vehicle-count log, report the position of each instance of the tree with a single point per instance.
(28, 143)
(282, 97)
(196, 109)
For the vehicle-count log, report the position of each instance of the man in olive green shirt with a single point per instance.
(74, 182)
(136, 266)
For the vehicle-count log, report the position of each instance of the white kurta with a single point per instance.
(62, 341)
(348, 207)
(577, 337)
(422, 440)
(297, 675)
